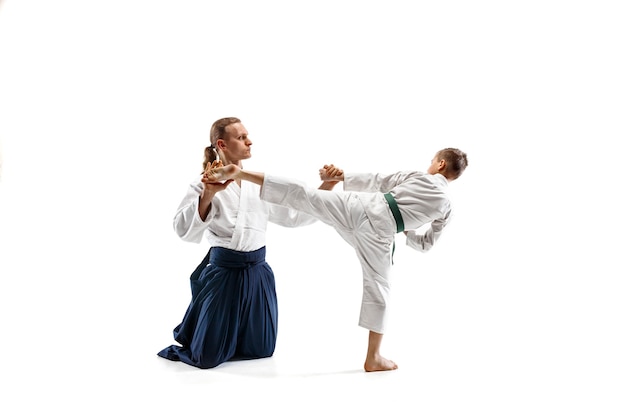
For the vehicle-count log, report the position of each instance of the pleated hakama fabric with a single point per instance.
(233, 313)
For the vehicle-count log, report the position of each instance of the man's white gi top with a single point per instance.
(237, 217)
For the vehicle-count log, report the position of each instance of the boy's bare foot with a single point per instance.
(217, 174)
(378, 363)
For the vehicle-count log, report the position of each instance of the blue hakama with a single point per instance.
(233, 313)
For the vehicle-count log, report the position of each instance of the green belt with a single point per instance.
(396, 212)
(397, 217)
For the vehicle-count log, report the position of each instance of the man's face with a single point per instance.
(236, 142)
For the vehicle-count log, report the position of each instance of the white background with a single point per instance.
(105, 108)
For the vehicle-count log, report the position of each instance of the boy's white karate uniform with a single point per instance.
(363, 218)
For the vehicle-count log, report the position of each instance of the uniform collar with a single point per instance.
(440, 179)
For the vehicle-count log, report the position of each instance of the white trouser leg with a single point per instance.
(345, 212)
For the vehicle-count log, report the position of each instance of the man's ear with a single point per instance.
(221, 144)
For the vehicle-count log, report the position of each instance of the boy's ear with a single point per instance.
(442, 165)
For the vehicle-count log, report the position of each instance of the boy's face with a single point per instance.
(436, 165)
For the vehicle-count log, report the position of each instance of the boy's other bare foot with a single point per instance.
(224, 173)
(378, 363)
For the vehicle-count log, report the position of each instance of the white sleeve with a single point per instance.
(187, 222)
(284, 216)
(372, 182)
(424, 241)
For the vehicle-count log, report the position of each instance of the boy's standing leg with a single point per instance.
(346, 213)
(374, 253)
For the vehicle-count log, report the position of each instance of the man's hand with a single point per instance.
(210, 185)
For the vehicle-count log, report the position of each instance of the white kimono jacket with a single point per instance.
(421, 199)
(363, 218)
(237, 217)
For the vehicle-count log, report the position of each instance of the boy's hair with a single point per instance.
(456, 161)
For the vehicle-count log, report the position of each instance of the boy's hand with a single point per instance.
(331, 173)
